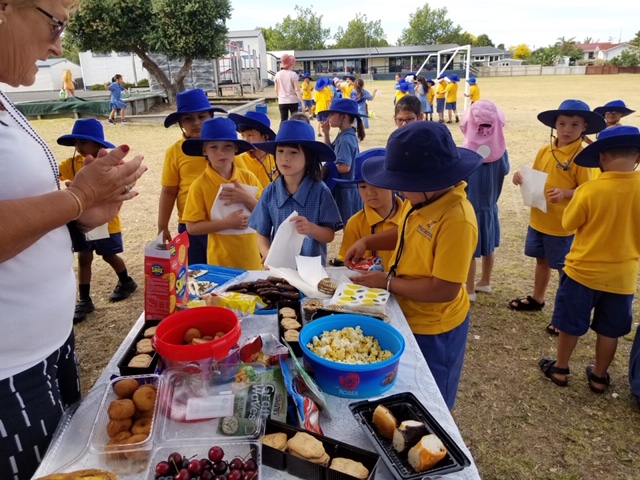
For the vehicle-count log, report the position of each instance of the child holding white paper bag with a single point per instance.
(299, 188)
(228, 245)
(547, 240)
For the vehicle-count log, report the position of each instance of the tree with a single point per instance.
(361, 33)
(272, 37)
(501, 46)
(427, 26)
(186, 30)
(587, 40)
(71, 51)
(483, 40)
(459, 37)
(636, 40)
(304, 32)
(546, 56)
(522, 52)
(628, 58)
(567, 48)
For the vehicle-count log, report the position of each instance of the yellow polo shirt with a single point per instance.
(440, 91)
(359, 225)
(440, 240)
(323, 98)
(67, 169)
(347, 89)
(605, 251)
(235, 251)
(265, 170)
(180, 170)
(474, 93)
(307, 90)
(431, 95)
(451, 92)
(551, 222)
(399, 95)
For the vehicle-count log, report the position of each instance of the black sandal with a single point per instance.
(548, 367)
(531, 305)
(591, 378)
(551, 330)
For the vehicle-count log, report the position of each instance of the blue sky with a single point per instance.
(534, 22)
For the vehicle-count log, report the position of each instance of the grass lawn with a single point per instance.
(517, 424)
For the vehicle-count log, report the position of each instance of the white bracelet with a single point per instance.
(389, 283)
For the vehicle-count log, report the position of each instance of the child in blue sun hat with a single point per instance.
(599, 279)
(548, 241)
(87, 138)
(433, 245)
(180, 170)
(228, 244)
(298, 188)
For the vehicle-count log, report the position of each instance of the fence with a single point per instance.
(528, 70)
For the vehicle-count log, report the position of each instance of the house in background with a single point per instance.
(604, 51)
(49, 76)
(99, 68)
(486, 56)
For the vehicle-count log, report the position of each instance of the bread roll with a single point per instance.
(407, 435)
(426, 453)
(384, 421)
(350, 467)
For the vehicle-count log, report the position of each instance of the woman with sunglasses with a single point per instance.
(38, 374)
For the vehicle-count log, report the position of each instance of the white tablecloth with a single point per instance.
(413, 376)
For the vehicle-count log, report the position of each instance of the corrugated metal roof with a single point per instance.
(396, 51)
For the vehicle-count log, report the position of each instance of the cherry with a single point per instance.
(207, 475)
(220, 477)
(206, 464)
(195, 467)
(234, 474)
(250, 465)
(182, 475)
(163, 468)
(250, 475)
(216, 454)
(220, 467)
(236, 464)
(175, 459)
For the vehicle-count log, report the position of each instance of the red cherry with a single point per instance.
(236, 464)
(216, 454)
(250, 465)
(182, 475)
(220, 477)
(220, 467)
(195, 467)
(163, 468)
(175, 459)
(207, 475)
(234, 474)
(206, 464)
(250, 475)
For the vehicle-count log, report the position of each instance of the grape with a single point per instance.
(216, 454)
(236, 464)
(163, 468)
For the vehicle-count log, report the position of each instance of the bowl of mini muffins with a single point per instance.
(350, 355)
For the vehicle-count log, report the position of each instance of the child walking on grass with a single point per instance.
(601, 269)
(115, 103)
(226, 246)
(299, 188)
(87, 137)
(548, 240)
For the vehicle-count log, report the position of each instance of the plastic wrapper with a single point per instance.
(254, 382)
(358, 298)
(263, 349)
(241, 303)
(367, 264)
(307, 409)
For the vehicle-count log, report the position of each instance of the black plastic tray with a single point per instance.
(296, 305)
(123, 364)
(405, 406)
(302, 468)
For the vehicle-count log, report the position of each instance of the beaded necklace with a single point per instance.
(24, 123)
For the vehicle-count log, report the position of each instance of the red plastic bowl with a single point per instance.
(168, 340)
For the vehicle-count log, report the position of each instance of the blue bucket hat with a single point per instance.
(441, 76)
(571, 107)
(471, 80)
(359, 160)
(454, 78)
(350, 77)
(85, 129)
(298, 133)
(614, 106)
(421, 157)
(219, 129)
(256, 120)
(191, 101)
(342, 105)
(306, 75)
(613, 137)
(403, 86)
(322, 82)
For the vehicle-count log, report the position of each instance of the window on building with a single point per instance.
(96, 55)
(123, 54)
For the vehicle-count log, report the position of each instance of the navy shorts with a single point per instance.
(308, 103)
(105, 246)
(197, 246)
(612, 315)
(550, 247)
(451, 106)
(440, 105)
(444, 354)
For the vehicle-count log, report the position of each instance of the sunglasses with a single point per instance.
(58, 28)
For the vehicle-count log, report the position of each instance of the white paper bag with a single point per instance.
(306, 278)
(533, 188)
(220, 211)
(98, 233)
(286, 245)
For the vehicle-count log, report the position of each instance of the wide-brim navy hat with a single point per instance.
(403, 86)
(471, 80)
(454, 78)
(614, 106)
(219, 129)
(85, 129)
(190, 101)
(297, 132)
(306, 75)
(571, 107)
(359, 160)
(612, 137)
(421, 157)
(256, 120)
(350, 76)
(342, 105)
(322, 82)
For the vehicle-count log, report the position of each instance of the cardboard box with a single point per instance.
(165, 276)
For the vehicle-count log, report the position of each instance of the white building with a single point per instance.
(605, 51)
(99, 68)
(49, 76)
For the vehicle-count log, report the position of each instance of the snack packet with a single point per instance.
(240, 303)
(307, 408)
(367, 264)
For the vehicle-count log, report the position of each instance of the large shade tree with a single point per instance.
(361, 33)
(302, 32)
(428, 26)
(184, 30)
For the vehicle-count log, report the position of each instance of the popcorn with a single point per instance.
(348, 345)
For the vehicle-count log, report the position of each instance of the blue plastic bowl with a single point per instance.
(350, 380)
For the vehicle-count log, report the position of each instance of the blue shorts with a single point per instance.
(105, 246)
(440, 105)
(612, 315)
(197, 246)
(444, 354)
(308, 103)
(451, 106)
(550, 247)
